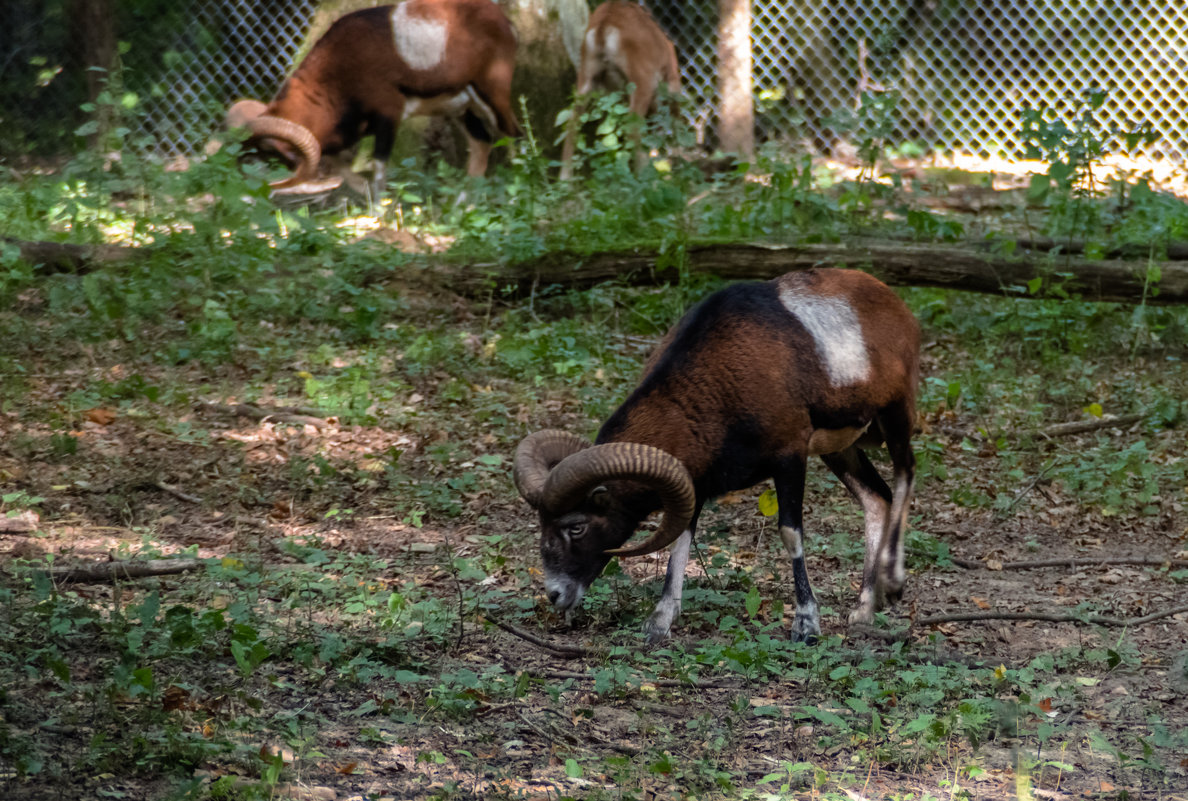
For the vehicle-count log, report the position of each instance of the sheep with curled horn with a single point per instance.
(378, 66)
(747, 386)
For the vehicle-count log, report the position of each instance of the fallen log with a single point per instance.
(925, 265)
(120, 571)
(67, 257)
(969, 267)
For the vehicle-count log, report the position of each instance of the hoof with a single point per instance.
(808, 638)
(862, 616)
(806, 629)
(654, 634)
(660, 623)
(658, 627)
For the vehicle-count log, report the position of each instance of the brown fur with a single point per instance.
(646, 58)
(738, 392)
(354, 83)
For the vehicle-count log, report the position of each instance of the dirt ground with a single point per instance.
(518, 744)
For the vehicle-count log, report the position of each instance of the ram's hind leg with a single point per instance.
(866, 485)
(897, 426)
(789, 485)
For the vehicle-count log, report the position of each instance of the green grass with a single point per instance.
(298, 651)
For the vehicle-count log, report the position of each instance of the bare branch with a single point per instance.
(1143, 561)
(565, 651)
(1098, 620)
(176, 492)
(295, 415)
(120, 571)
(1085, 426)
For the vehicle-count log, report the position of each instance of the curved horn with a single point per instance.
(298, 136)
(537, 455)
(242, 111)
(569, 481)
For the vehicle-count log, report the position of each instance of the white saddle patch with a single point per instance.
(420, 42)
(836, 331)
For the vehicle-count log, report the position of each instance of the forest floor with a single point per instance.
(424, 696)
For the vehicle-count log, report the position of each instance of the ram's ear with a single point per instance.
(600, 497)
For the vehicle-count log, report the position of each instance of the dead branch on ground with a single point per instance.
(1143, 561)
(565, 651)
(177, 492)
(1085, 426)
(968, 266)
(296, 415)
(121, 571)
(1049, 617)
(720, 684)
(898, 264)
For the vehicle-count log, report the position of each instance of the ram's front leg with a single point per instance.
(789, 485)
(669, 607)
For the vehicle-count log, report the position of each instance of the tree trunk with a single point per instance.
(736, 131)
(95, 35)
(546, 61)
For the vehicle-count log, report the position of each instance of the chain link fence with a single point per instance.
(963, 69)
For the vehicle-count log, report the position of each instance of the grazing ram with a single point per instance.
(747, 386)
(623, 45)
(377, 67)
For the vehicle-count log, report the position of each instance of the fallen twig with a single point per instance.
(1051, 432)
(1085, 426)
(1049, 617)
(177, 492)
(116, 571)
(1030, 485)
(296, 415)
(720, 684)
(973, 564)
(1176, 251)
(567, 651)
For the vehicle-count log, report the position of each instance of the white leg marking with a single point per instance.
(836, 331)
(874, 517)
(792, 541)
(379, 178)
(660, 623)
(807, 623)
(420, 42)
